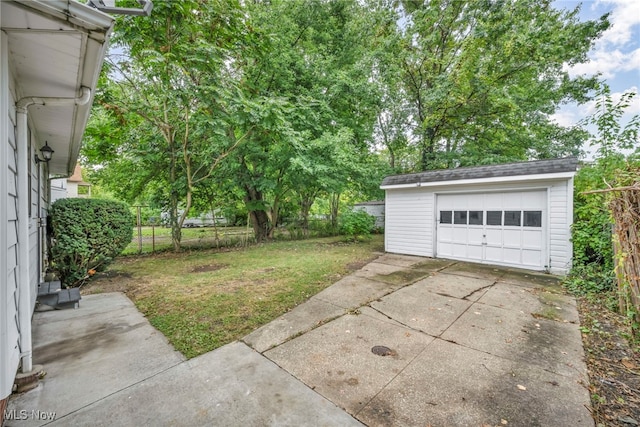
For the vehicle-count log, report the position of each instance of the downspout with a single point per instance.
(24, 303)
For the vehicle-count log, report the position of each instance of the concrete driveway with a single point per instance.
(404, 341)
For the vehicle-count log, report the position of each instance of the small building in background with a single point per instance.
(374, 208)
(72, 187)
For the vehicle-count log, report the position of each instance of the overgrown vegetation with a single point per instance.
(611, 339)
(357, 223)
(86, 235)
(593, 262)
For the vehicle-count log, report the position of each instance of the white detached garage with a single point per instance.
(516, 214)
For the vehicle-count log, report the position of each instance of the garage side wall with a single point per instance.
(409, 222)
(560, 220)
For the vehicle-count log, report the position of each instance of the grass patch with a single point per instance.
(549, 313)
(201, 300)
(402, 277)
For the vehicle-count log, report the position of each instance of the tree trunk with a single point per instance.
(175, 223)
(274, 215)
(261, 226)
(305, 207)
(215, 224)
(335, 204)
(258, 214)
(428, 155)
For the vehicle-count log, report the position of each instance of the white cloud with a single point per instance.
(603, 61)
(615, 51)
(564, 117)
(589, 108)
(624, 16)
(634, 60)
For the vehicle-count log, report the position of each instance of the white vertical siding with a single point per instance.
(9, 335)
(72, 189)
(409, 222)
(58, 189)
(560, 220)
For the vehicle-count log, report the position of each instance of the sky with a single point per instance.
(616, 55)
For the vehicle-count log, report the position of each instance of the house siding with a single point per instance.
(9, 330)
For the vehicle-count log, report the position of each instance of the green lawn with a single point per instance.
(201, 300)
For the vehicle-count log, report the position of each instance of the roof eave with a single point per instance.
(492, 180)
(73, 13)
(96, 28)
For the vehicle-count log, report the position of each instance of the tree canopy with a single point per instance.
(279, 104)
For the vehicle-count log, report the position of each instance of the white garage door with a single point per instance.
(494, 228)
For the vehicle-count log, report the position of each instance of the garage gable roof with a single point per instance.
(538, 167)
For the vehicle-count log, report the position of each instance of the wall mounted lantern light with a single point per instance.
(47, 153)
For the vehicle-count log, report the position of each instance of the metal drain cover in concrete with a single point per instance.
(381, 350)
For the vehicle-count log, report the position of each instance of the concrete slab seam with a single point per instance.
(448, 273)
(464, 311)
(366, 303)
(117, 391)
(436, 270)
(399, 322)
(580, 374)
(384, 387)
(583, 381)
(444, 267)
(300, 333)
(313, 389)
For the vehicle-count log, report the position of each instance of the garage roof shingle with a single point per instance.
(538, 167)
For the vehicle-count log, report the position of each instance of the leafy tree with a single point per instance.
(316, 73)
(482, 77)
(279, 103)
(612, 137)
(172, 92)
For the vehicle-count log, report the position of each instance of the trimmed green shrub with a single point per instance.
(356, 224)
(86, 235)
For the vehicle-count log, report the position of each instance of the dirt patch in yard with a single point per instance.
(357, 265)
(208, 268)
(110, 281)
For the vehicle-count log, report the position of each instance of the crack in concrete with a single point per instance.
(479, 289)
(399, 322)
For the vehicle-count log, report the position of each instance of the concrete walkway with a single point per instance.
(405, 341)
